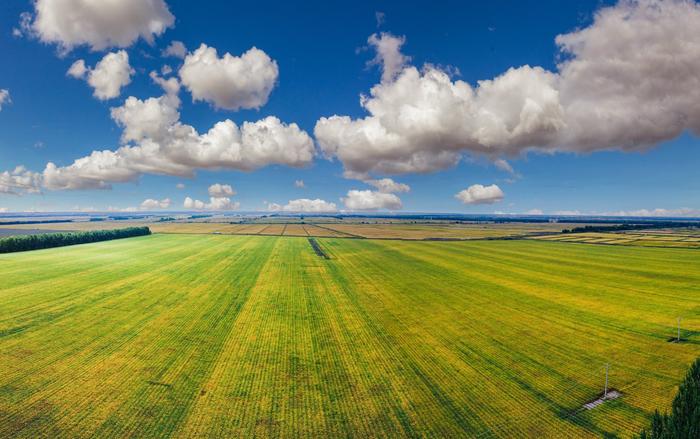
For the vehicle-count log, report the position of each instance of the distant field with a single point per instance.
(682, 238)
(396, 230)
(383, 231)
(447, 231)
(217, 336)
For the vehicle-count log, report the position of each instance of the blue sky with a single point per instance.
(322, 53)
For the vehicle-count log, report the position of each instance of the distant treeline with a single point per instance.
(15, 223)
(123, 218)
(684, 420)
(621, 227)
(35, 242)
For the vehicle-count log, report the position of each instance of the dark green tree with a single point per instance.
(684, 420)
(35, 242)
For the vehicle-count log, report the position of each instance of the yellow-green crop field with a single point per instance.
(240, 336)
(675, 238)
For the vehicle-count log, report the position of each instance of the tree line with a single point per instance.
(21, 243)
(15, 223)
(684, 420)
(622, 227)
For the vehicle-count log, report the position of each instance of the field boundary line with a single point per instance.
(339, 231)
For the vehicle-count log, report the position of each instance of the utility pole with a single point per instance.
(679, 329)
(605, 394)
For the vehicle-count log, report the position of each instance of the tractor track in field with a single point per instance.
(317, 248)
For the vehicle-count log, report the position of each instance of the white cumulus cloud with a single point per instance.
(153, 204)
(19, 181)
(151, 118)
(628, 81)
(176, 49)
(78, 69)
(170, 86)
(215, 203)
(157, 143)
(109, 75)
(97, 24)
(221, 190)
(479, 194)
(230, 82)
(387, 185)
(371, 200)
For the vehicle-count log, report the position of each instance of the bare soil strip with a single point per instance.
(612, 394)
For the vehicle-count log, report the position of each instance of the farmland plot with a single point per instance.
(445, 231)
(645, 238)
(215, 336)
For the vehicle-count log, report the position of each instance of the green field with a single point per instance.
(216, 336)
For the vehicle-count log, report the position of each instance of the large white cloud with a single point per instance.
(19, 181)
(480, 194)
(179, 150)
(215, 203)
(98, 24)
(221, 190)
(371, 200)
(230, 82)
(628, 81)
(4, 97)
(156, 142)
(109, 75)
(95, 171)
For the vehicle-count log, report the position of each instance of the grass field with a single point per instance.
(214, 336)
